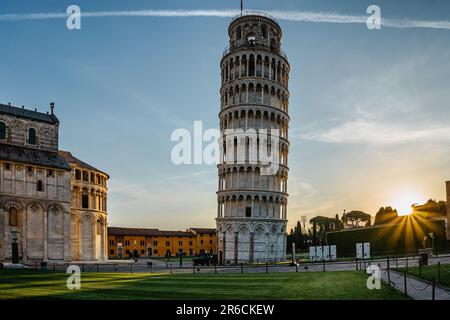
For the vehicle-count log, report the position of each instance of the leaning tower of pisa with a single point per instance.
(252, 204)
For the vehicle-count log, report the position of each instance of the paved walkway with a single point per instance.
(415, 288)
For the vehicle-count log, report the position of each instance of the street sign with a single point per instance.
(319, 253)
(333, 253)
(326, 253)
(359, 251)
(366, 250)
(312, 253)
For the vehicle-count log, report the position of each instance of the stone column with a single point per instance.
(45, 236)
(24, 236)
(250, 256)
(2, 233)
(94, 240)
(67, 224)
(236, 248)
(80, 240)
(224, 246)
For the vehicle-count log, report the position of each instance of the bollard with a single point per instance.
(193, 268)
(356, 263)
(406, 290)
(439, 271)
(82, 267)
(170, 268)
(267, 268)
(296, 267)
(323, 265)
(242, 269)
(131, 267)
(215, 268)
(406, 264)
(389, 273)
(97, 267)
(433, 297)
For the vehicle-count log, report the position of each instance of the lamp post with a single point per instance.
(15, 246)
(431, 235)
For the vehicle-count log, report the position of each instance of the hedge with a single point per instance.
(403, 238)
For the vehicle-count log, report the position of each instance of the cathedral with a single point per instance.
(52, 205)
(251, 204)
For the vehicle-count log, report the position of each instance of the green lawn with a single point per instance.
(428, 272)
(27, 284)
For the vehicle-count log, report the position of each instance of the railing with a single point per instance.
(254, 13)
(279, 51)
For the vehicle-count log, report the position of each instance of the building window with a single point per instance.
(248, 212)
(7, 166)
(2, 130)
(155, 243)
(50, 173)
(210, 241)
(30, 170)
(180, 243)
(142, 251)
(127, 242)
(92, 177)
(111, 242)
(32, 136)
(85, 201)
(155, 251)
(13, 217)
(111, 252)
(77, 174)
(40, 186)
(142, 243)
(167, 243)
(85, 176)
(201, 241)
(127, 251)
(190, 243)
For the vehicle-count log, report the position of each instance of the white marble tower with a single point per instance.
(252, 205)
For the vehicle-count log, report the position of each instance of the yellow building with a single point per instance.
(125, 242)
(205, 240)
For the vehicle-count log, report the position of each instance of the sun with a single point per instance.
(404, 200)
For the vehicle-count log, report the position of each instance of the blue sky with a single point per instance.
(370, 120)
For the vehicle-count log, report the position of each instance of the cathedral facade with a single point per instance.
(252, 205)
(52, 205)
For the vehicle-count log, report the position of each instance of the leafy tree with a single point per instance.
(386, 216)
(357, 217)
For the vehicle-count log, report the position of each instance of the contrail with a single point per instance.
(303, 16)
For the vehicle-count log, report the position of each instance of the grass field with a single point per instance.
(428, 272)
(26, 284)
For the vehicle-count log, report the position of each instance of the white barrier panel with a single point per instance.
(319, 253)
(326, 253)
(312, 253)
(359, 250)
(333, 253)
(366, 250)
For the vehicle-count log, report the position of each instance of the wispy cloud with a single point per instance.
(303, 16)
(369, 131)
